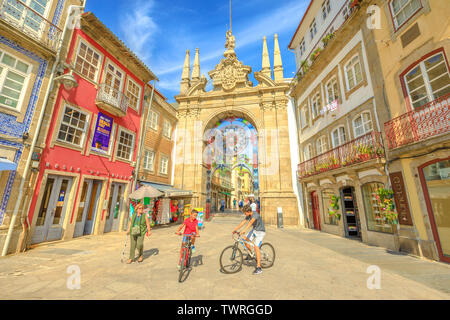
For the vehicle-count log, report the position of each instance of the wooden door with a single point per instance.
(315, 210)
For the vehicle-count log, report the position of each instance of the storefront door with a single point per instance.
(115, 206)
(435, 178)
(52, 209)
(92, 207)
(87, 206)
(350, 213)
(315, 210)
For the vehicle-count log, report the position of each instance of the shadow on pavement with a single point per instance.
(151, 252)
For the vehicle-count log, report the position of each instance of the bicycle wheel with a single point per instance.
(231, 259)
(267, 255)
(182, 265)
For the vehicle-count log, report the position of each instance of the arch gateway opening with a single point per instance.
(236, 132)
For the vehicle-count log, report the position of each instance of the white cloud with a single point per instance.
(138, 27)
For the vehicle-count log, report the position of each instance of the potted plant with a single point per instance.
(334, 207)
(327, 38)
(315, 54)
(385, 198)
(355, 4)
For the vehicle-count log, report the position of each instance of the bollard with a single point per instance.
(280, 217)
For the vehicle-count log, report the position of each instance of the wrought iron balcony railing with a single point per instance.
(30, 22)
(425, 122)
(112, 100)
(360, 150)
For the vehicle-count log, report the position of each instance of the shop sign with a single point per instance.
(102, 134)
(401, 200)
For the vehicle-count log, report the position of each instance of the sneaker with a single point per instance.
(257, 271)
(193, 249)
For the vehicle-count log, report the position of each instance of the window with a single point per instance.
(402, 10)
(307, 152)
(325, 9)
(302, 47)
(362, 124)
(73, 126)
(428, 81)
(134, 94)
(327, 195)
(304, 116)
(338, 137)
(316, 105)
(167, 129)
(313, 29)
(149, 158)
(331, 89)
(125, 145)
(153, 120)
(321, 145)
(347, 10)
(87, 62)
(353, 73)
(13, 81)
(164, 165)
(373, 209)
(31, 19)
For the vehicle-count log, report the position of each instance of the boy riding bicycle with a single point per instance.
(190, 226)
(256, 234)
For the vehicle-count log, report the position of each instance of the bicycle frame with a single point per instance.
(242, 241)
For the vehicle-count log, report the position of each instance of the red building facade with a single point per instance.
(88, 163)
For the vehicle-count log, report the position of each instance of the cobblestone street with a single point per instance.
(309, 265)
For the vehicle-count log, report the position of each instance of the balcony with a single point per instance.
(423, 123)
(360, 150)
(30, 22)
(112, 100)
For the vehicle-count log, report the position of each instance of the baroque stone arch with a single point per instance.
(241, 112)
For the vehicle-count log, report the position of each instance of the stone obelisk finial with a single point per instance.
(277, 63)
(186, 75)
(266, 70)
(196, 68)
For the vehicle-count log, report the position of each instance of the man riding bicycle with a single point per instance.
(191, 230)
(256, 234)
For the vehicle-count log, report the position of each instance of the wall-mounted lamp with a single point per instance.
(68, 80)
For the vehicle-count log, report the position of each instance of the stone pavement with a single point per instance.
(309, 265)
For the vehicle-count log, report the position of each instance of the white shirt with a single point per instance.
(253, 206)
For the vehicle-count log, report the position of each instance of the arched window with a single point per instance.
(362, 124)
(338, 136)
(353, 73)
(321, 145)
(307, 152)
(331, 90)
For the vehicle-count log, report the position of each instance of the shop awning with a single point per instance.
(225, 193)
(5, 164)
(169, 191)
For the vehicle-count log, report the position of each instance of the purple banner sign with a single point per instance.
(102, 133)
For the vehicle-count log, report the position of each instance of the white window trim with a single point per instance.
(353, 71)
(45, 15)
(394, 21)
(86, 126)
(27, 76)
(334, 78)
(150, 120)
(426, 78)
(87, 44)
(152, 169)
(124, 74)
(118, 143)
(322, 145)
(339, 137)
(167, 134)
(308, 148)
(129, 79)
(161, 157)
(316, 98)
(363, 123)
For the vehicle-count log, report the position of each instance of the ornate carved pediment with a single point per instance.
(230, 73)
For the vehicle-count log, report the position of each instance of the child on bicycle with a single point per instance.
(190, 226)
(256, 234)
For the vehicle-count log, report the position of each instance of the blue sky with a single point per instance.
(160, 31)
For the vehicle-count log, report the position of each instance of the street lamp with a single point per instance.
(68, 80)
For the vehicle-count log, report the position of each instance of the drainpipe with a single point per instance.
(142, 137)
(38, 127)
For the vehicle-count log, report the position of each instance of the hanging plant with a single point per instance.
(334, 207)
(385, 199)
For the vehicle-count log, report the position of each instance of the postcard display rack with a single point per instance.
(350, 213)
